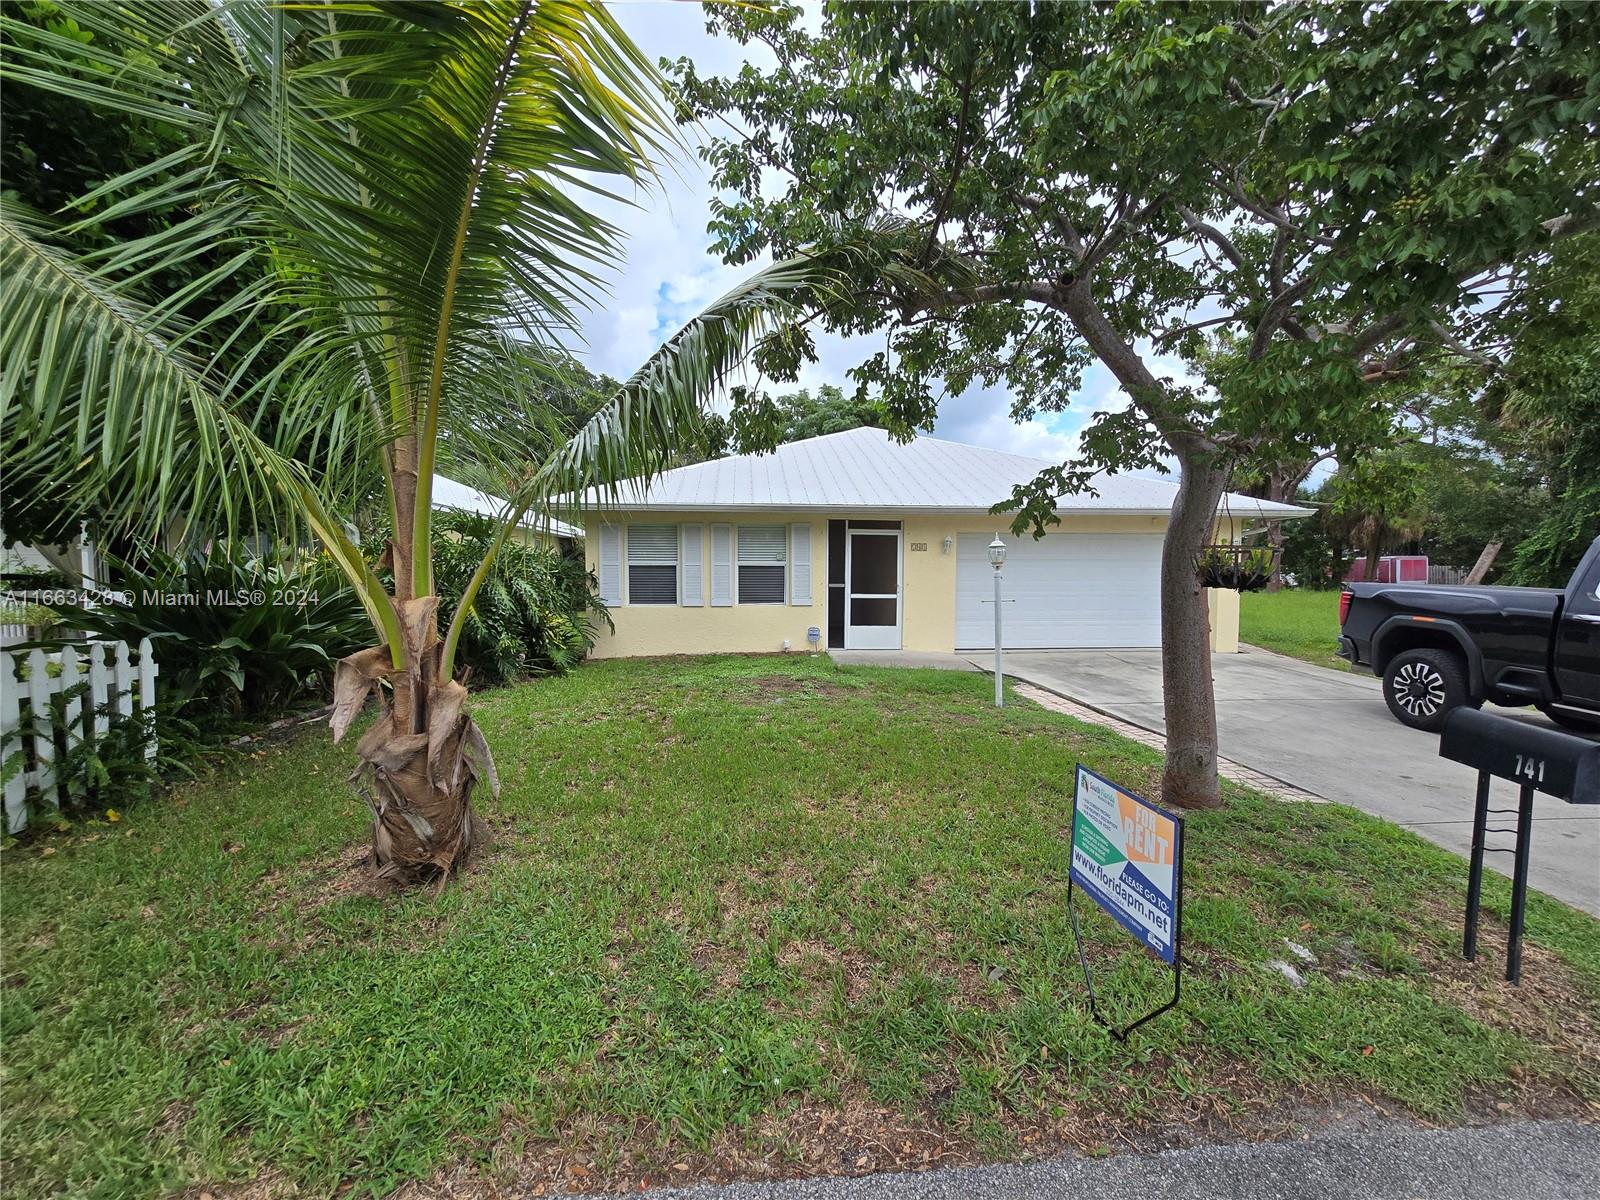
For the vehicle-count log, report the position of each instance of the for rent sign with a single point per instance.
(1125, 854)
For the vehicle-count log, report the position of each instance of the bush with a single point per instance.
(535, 614)
(231, 631)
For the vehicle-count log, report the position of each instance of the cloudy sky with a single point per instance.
(669, 274)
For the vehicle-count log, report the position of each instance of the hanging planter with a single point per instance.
(1238, 568)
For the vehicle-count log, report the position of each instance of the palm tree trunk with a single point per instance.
(418, 764)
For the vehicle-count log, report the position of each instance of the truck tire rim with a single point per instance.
(1419, 689)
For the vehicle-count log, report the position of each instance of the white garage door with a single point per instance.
(1071, 589)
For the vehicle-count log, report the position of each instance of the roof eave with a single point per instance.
(1284, 513)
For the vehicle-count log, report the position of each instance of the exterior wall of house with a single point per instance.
(648, 629)
(928, 588)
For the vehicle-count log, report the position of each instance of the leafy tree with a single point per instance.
(1377, 502)
(793, 417)
(415, 176)
(536, 612)
(1546, 407)
(1301, 202)
(1315, 550)
(1469, 496)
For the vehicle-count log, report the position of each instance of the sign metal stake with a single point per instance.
(1122, 1034)
(1177, 960)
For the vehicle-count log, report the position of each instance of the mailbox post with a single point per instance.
(1537, 760)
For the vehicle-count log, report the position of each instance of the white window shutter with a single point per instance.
(722, 566)
(610, 565)
(691, 573)
(800, 565)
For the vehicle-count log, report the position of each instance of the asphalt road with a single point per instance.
(1330, 733)
(1535, 1160)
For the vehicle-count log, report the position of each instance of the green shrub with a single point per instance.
(233, 633)
(535, 614)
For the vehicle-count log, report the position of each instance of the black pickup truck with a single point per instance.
(1440, 647)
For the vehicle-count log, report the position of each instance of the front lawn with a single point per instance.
(1301, 624)
(755, 916)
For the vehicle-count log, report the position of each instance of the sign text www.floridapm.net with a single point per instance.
(1124, 854)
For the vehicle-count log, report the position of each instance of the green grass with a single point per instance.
(1301, 624)
(726, 896)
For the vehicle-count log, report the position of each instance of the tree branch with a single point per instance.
(1213, 235)
(1065, 227)
(1276, 314)
(1240, 197)
(1038, 291)
(956, 165)
(1143, 388)
(1118, 231)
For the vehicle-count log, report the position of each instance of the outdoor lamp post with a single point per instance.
(997, 559)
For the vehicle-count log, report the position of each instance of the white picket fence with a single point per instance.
(116, 683)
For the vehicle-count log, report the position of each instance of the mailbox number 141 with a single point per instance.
(1531, 769)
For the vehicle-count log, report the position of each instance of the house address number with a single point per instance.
(923, 546)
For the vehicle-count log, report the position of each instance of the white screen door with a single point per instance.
(872, 589)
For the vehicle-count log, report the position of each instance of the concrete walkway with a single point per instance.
(1532, 1160)
(1329, 733)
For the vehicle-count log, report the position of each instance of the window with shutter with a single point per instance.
(762, 558)
(652, 564)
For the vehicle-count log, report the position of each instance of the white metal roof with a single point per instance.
(447, 493)
(867, 469)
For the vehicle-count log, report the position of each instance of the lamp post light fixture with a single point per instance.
(997, 559)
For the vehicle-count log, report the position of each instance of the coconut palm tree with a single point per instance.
(394, 202)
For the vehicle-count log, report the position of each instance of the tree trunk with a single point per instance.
(419, 762)
(1485, 560)
(404, 453)
(1373, 549)
(1277, 485)
(1190, 778)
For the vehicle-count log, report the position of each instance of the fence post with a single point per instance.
(124, 680)
(71, 680)
(99, 686)
(11, 743)
(44, 748)
(148, 670)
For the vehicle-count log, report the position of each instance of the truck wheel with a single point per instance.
(1421, 686)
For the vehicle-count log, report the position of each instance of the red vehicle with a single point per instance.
(1392, 568)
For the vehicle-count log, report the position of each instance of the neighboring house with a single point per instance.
(549, 532)
(881, 545)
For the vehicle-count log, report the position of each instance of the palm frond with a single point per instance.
(133, 427)
(94, 382)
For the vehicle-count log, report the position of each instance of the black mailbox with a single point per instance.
(1547, 760)
(1536, 759)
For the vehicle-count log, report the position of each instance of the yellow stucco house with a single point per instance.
(856, 541)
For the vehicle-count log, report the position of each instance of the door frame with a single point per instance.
(856, 643)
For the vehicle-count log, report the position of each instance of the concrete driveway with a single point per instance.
(1331, 733)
